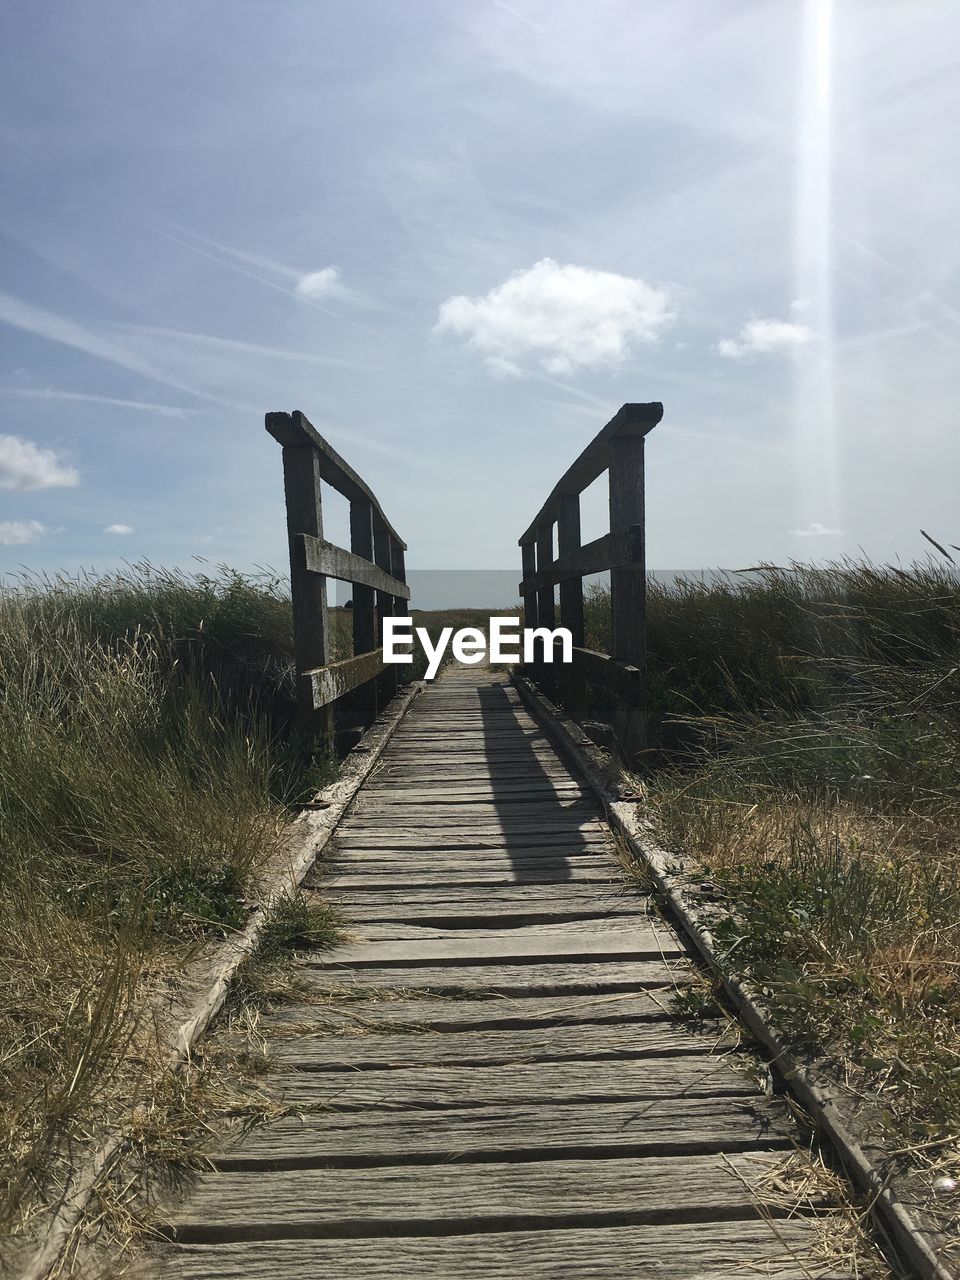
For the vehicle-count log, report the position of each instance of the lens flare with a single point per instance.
(816, 437)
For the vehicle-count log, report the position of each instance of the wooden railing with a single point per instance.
(618, 449)
(374, 565)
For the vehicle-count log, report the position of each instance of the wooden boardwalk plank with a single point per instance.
(717, 1251)
(630, 939)
(673, 1127)
(320, 1050)
(485, 1013)
(510, 980)
(478, 1197)
(541, 1083)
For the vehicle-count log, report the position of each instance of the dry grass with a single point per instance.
(141, 766)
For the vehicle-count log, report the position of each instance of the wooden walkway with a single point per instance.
(495, 1087)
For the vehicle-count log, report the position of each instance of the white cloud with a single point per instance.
(23, 465)
(817, 530)
(502, 369)
(766, 337)
(321, 284)
(121, 530)
(568, 317)
(16, 533)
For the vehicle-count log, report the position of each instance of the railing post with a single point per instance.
(571, 605)
(546, 608)
(628, 585)
(528, 560)
(383, 556)
(364, 606)
(308, 591)
(400, 606)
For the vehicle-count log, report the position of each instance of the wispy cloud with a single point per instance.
(17, 533)
(766, 337)
(816, 530)
(24, 465)
(54, 393)
(521, 17)
(232, 260)
(566, 317)
(245, 348)
(81, 337)
(118, 530)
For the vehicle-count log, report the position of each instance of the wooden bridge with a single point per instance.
(486, 1079)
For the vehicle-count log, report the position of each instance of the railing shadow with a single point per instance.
(541, 828)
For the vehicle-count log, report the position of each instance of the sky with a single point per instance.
(459, 235)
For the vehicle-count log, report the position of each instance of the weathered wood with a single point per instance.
(631, 420)
(529, 555)
(510, 980)
(696, 1126)
(489, 1048)
(484, 1013)
(624, 940)
(546, 609)
(335, 562)
(581, 1080)
(308, 591)
(364, 621)
(624, 680)
(628, 588)
(383, 545)
(294, 429)
(484, 1197)
(629, 1045)
(740, 1250)
(327, 684)
(573, 562)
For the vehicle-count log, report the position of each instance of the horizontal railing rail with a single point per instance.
(619, 450)
(374, 565)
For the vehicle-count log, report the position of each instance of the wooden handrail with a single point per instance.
(617, 449)
(629, 420)
(374, 565)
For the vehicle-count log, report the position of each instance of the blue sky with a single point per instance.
(459, 236)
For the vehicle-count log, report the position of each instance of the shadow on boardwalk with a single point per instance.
(543, 828)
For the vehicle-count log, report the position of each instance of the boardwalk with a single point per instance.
(506, 1094)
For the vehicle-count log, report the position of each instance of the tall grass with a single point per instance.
(143, 749)
(806, 735)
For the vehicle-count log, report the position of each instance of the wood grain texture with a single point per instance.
(625, 940)
(480, 1197)
(485, 1013)
(489, 1055)
(319, 1050)
(581, 1080)
(721, 1251)
(511, 980)
(638, 1129)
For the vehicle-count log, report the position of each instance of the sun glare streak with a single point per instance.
(816, 426)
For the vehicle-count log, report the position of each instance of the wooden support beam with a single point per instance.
(347, 566)
(622, 550)
(383, 544)
(324, 685)
(628, 586)
(308, 591)
(364, 703)
(528, 553)
(568, 679)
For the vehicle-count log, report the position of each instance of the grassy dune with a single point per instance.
(806, 755)
(145, 752)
